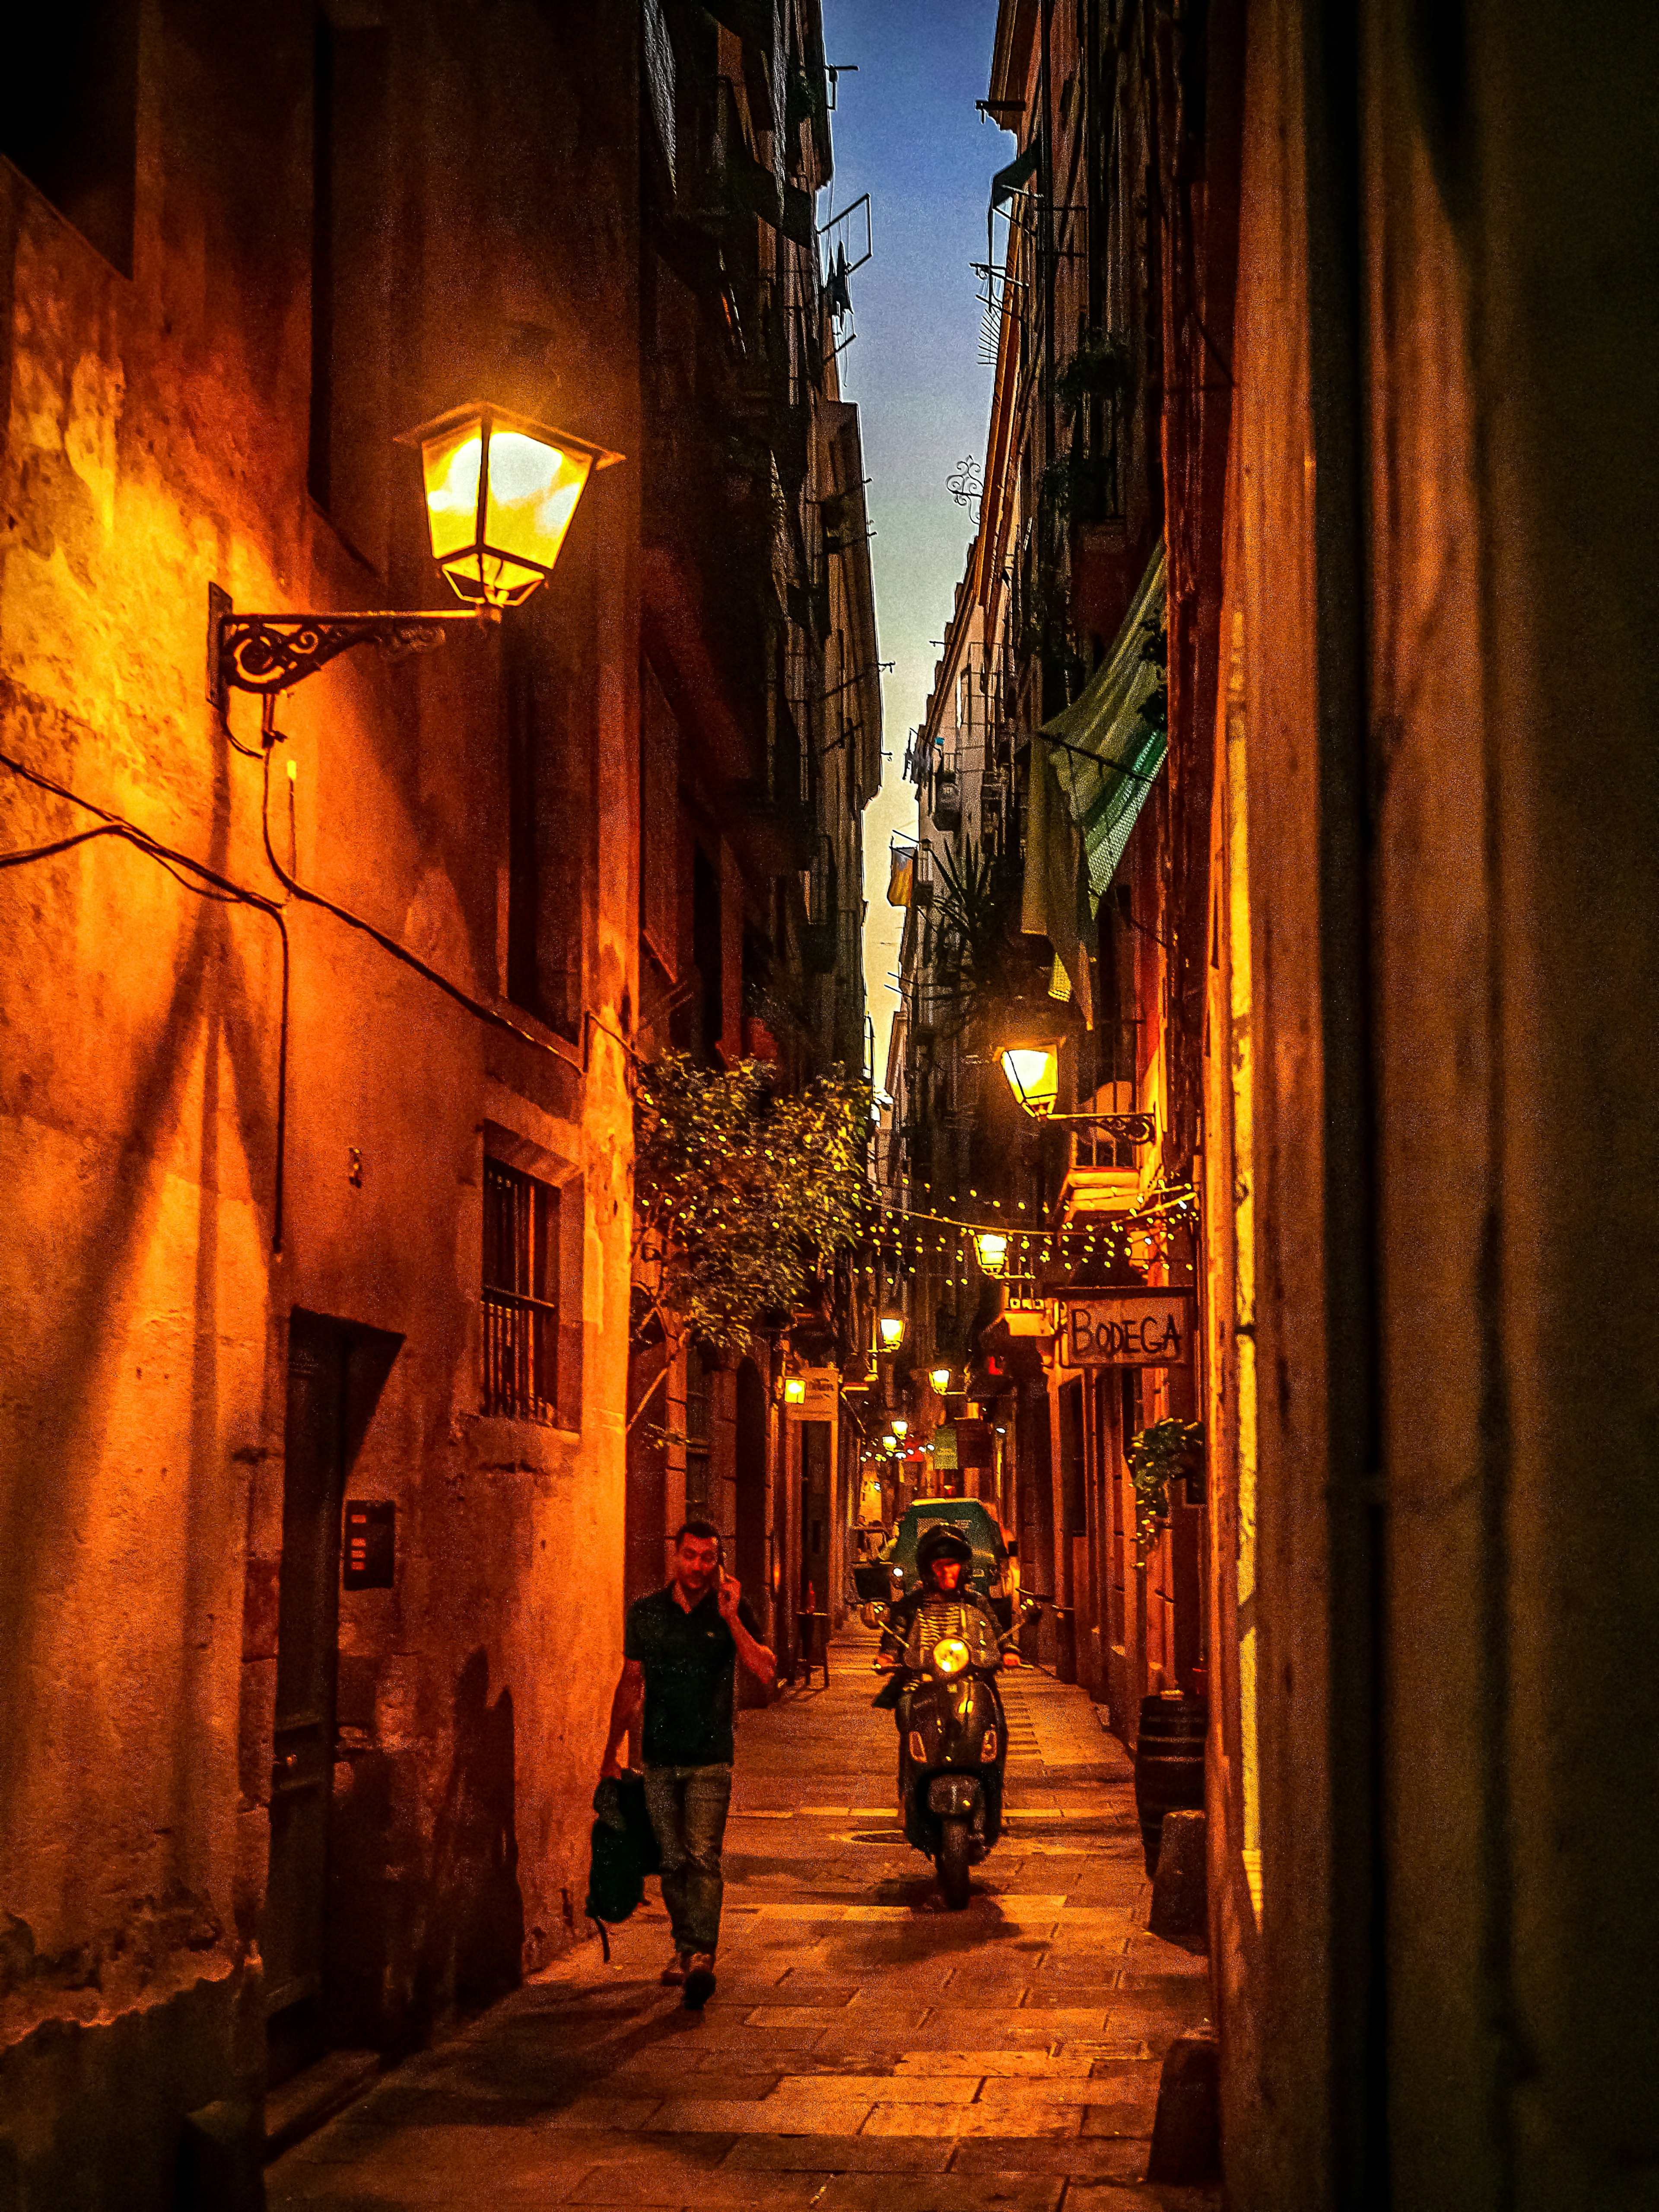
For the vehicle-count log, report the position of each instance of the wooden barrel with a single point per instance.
(1168, 1764)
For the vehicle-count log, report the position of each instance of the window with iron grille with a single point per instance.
(520, 1294)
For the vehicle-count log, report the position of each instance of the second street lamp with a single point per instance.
(891, 1329)
(1032, 1069)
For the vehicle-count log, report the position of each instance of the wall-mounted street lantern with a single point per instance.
(992, 1247)
(901, 1427)
(891, 1328)
(501, 491)
(794, 1391)
(1032, 1069)
(940, 1379)
(1033, 1073)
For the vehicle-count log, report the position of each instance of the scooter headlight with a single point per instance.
(950, 1655)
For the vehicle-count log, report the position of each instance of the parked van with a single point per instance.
(994, 1573)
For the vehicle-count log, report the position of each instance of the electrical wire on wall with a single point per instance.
(196, 876)
(388, 944)
(299, 891)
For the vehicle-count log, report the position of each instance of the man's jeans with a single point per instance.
(688, 1806)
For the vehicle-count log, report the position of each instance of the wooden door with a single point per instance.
(292, 1933)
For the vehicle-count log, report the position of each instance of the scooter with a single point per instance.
(953, 1739)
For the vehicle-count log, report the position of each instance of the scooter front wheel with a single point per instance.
(952, 1859)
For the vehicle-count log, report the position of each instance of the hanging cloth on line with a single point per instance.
(1092, 765)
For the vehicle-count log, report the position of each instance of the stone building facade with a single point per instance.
(1394, 943)
(314, 1097)
(763, 717)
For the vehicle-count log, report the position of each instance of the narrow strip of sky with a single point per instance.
(907, 132)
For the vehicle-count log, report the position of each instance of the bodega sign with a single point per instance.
(1127, 1328)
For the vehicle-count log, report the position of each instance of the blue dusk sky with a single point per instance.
(907, 132)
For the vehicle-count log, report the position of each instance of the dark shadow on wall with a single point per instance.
(469, 1945)
(220, 1007)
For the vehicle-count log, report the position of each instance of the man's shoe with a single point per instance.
(675, 1971)
(699, 1980)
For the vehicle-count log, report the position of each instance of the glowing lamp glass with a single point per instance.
(993, 1249)
(901, 1426)
(891, 1329)
(940, 1379)
(1033, 1073)
(794, 1391)
(950, 1655)
(501, 492)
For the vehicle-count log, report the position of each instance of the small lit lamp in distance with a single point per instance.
(901, 1426)
(993, 1249)
(794, 1391)
(891, 1328)
(940, 1379)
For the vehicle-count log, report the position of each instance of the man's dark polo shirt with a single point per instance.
(690, 1659)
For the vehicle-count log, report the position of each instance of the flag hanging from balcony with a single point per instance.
(1056, 903)
(1092, 767)
(1108, 745)
(901, 874)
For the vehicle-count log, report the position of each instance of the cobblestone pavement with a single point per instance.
(866, 2050)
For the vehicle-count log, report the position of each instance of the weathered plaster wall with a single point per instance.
(156, 439)
(1276, 2077)
(1459, 2018)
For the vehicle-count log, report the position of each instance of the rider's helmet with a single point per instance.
(943, 1541)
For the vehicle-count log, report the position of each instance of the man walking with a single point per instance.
(680, 1649)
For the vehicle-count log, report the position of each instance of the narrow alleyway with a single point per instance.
(864, 2048)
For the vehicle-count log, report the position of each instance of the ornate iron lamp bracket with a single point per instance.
(270, 654)
(1126, 1128)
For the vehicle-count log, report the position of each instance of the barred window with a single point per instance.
(520, 1294)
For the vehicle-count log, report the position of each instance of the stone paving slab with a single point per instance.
(943, 2192)
(829, 2154)
(866, 2051)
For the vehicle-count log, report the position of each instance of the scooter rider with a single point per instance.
(944, 1559)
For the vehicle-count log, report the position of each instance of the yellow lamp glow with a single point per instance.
(940, 1379)
(891, 1329)
(794, 1391)
(501, 491)
(993, 1249)
(901, 1426)
(1033, 1073)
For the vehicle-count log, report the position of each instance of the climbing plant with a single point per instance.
(743, 1195)
(1155, 1454)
